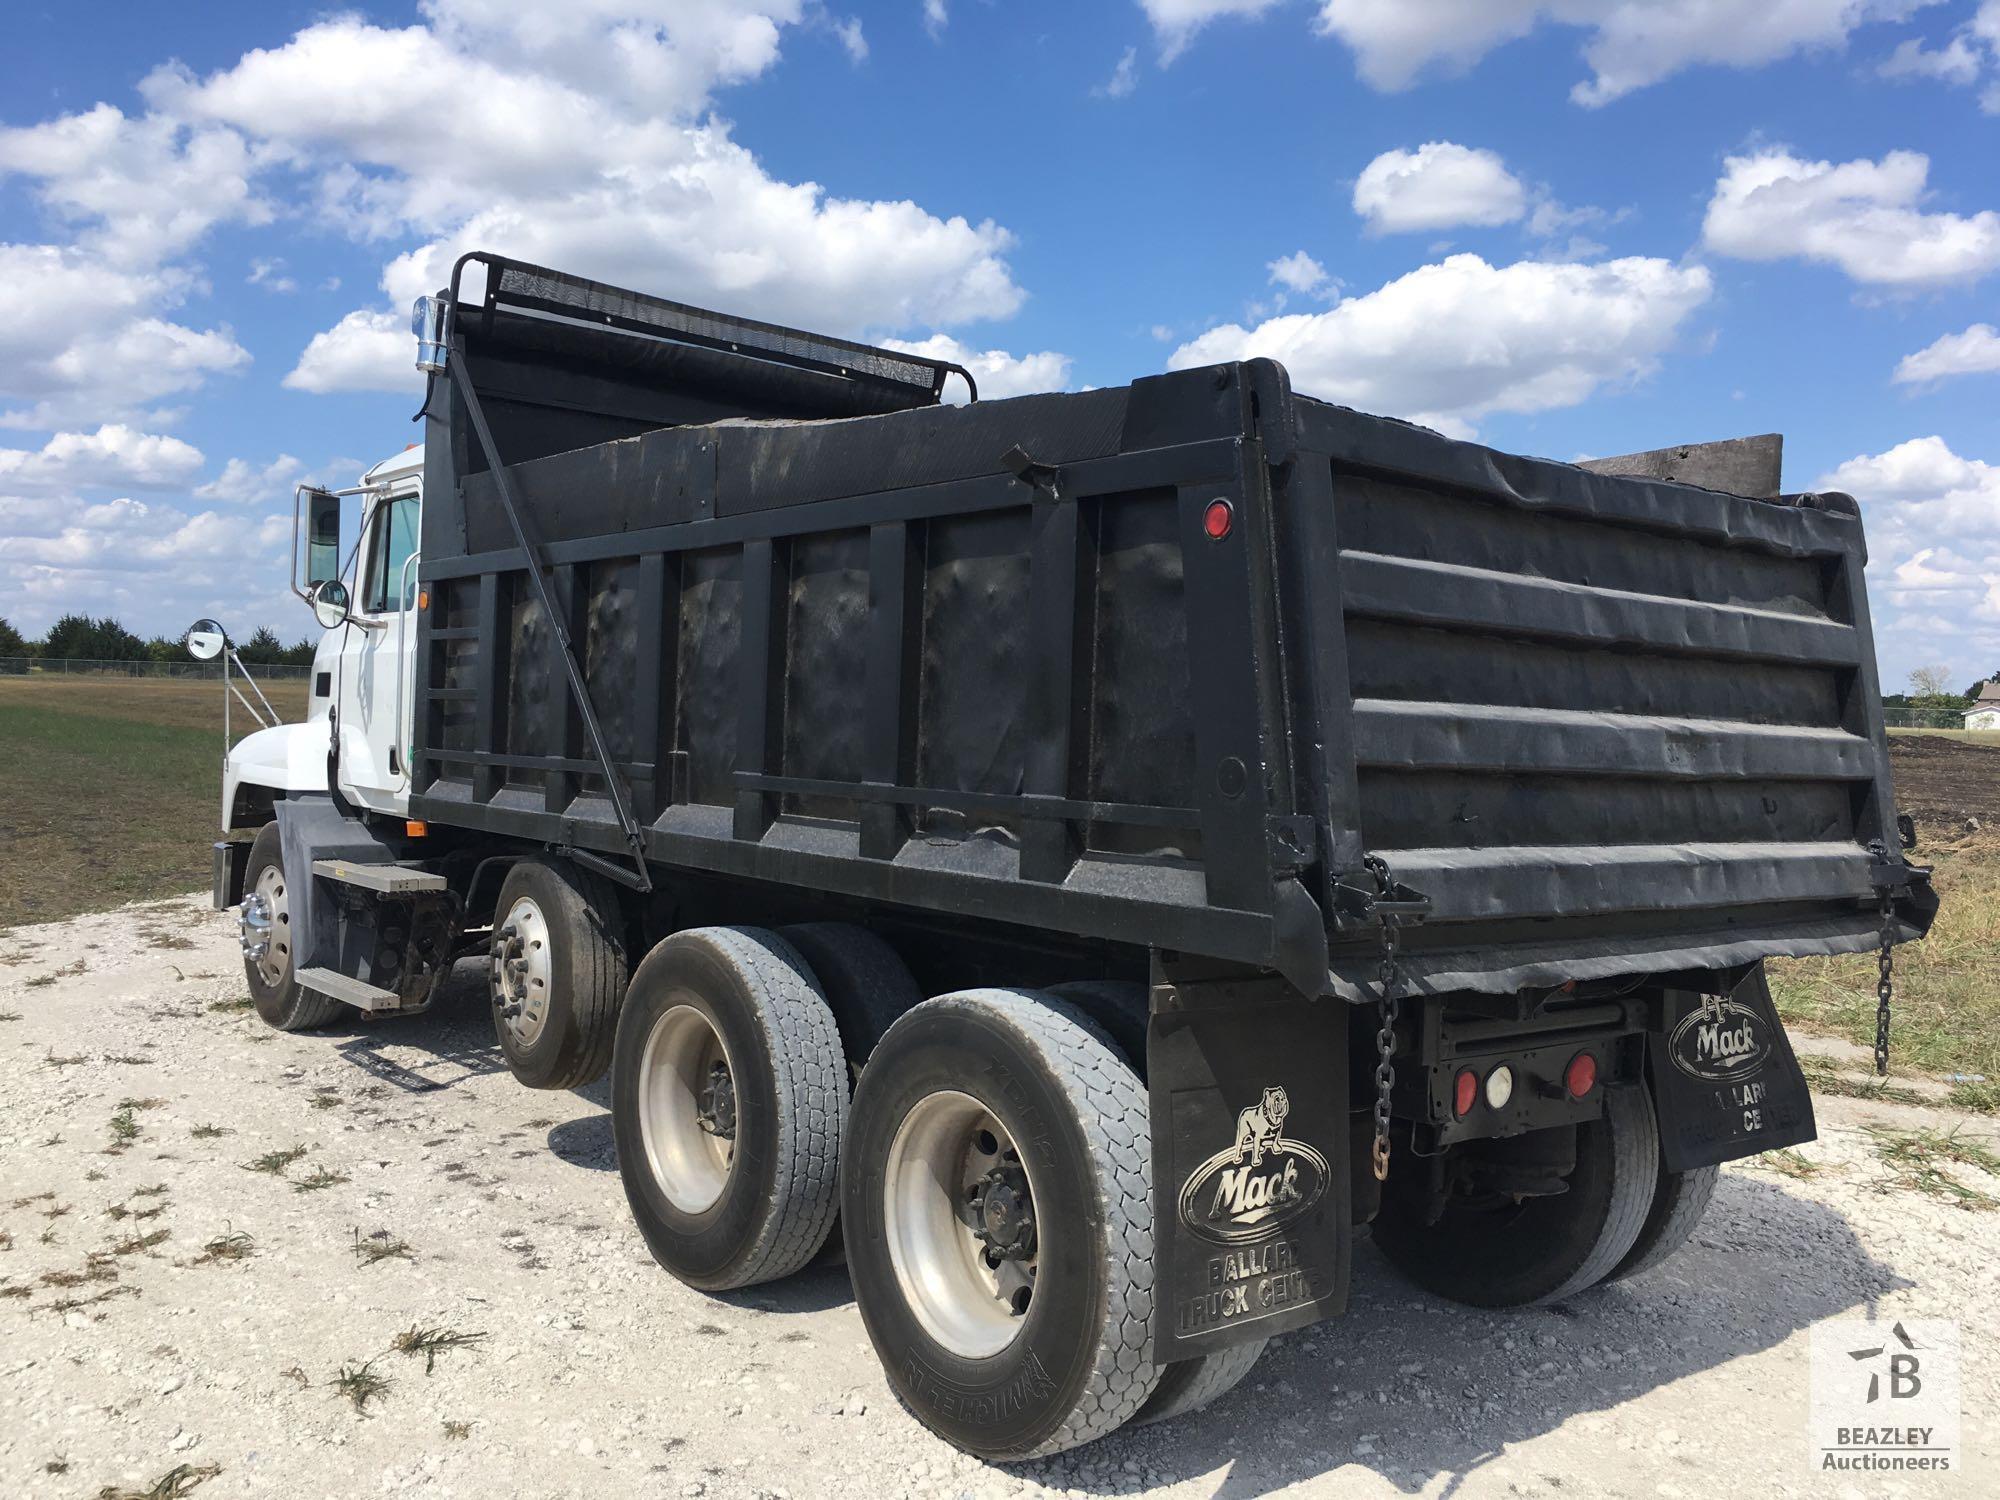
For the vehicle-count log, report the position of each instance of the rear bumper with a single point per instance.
(1437, 960)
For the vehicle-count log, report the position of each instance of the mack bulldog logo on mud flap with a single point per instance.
(1721, 1041)
(1258, 1183)
(1725, 1083)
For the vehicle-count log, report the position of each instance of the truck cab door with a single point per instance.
(376, 677)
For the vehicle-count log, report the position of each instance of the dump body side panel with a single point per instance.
(863, 657)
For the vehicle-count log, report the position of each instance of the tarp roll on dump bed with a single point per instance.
(1157, 664)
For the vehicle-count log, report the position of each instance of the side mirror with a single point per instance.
(322, 537)
(330, 603)
(205, 640)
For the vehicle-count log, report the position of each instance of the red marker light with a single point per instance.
(1580, 1077)
(1218, 519)
(1464, 1093)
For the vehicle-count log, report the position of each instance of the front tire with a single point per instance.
(269, 963)
(1494, 1252)
(997, 1204)
(728, 1106)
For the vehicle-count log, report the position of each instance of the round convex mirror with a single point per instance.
(330, 603)
(205, 640)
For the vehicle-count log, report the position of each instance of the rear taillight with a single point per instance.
(1580, 1077)
(1464, 1093)
(1500, 1086)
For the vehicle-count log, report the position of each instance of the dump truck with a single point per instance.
(1150, 835)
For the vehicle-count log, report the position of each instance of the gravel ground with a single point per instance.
(137, 1336)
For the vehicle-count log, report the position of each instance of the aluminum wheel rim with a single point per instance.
(686, 1123)
(265, 926)
(971, 1298)
(521, 962)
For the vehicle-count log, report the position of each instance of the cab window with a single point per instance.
(392, 538)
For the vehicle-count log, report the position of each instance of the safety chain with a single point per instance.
(1385, 1038)
(1885, 982)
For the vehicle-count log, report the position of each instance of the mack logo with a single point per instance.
(1257, 1184)
(1720, 1041)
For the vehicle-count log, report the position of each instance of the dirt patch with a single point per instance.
(472, 1313)
(1945, 781)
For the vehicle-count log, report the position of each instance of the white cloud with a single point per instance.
(1861, 216)
(1298, 272)
(581, 138)
(1124, 77)
(1973, 352)
(1957, 62)
(79, 341)
(270, 274)
(244, 483)
(1933, 519)
(113, 456)
(364, 351)
(936, 18)
(1630, 44)
(1175, 22)
(1440, 185)
(851, 39)
(141, 190)
(1450, 343)
(1971, 53)
(999, 373)
(155, 567)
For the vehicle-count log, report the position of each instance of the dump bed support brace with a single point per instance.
(503, 486)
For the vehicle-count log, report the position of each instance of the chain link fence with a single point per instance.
(1923, 718)
(211, 671)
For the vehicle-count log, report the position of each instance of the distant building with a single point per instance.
(1985, 710)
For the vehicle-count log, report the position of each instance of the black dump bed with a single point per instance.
(995, 660)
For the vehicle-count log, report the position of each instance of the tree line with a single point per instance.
(81, 638)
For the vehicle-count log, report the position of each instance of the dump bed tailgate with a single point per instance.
(1603, 724)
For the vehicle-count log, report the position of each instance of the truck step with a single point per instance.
(349, 990)
(390, 880)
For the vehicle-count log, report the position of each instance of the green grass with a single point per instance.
(1947, 1005)
(1919, 1160)
(110, 790)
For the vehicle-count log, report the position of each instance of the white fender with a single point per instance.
(288, 758)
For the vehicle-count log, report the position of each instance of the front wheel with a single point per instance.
(997, 1204)
(1491, 1249)
(265, 924)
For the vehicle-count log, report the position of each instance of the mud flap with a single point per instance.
(1252, 1211)
(1725, 1082)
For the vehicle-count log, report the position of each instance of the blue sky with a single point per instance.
(1563, 227)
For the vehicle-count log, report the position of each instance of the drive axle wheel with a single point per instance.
(997, 1205)
(556, 973)
(265, 928)
(728, 1104)
(1498, 1250)
(961, 1224)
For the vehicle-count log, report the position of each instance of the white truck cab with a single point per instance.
(357, 725)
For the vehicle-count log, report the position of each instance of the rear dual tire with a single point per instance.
(1540, 1249)
(729, 1107)
(556, 974)
(996, 1199)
